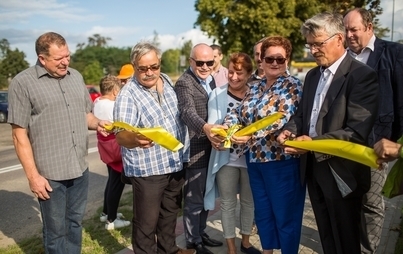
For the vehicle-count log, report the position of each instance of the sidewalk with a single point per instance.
(309, 238)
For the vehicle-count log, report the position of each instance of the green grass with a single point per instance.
(96, 239)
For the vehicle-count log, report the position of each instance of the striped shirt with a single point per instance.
(283, 96)
(54, 112)
(139, 107)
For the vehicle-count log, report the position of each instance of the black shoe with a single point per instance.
(199, 248)
(250, 250)
(210, 241)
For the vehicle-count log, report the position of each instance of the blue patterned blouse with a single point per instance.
(283, 96)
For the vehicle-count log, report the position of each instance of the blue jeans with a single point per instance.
(62, 215)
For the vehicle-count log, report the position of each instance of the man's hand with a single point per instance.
(131, 140)
(101, 127)
(292, 150)
(287, 135)
(387, 150)
(40, 187)
(215, 139)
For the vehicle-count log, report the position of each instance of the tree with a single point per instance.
(93, 73)
(98, 41)
(11, 63)
(109, 58)
(156, 40)
(238, 24)
(170, 61)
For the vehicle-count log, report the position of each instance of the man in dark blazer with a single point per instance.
(340, 101)
(386, 58)
(192, 89)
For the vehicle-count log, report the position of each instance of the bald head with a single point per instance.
(201, 60)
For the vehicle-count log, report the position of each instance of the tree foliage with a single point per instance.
(170, 61)
(110, 59)
(93, 73)
(11, 63)
(238, 24)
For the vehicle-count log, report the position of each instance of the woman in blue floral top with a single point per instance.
(278, 194)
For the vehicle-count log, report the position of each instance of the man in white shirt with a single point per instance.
(386, 58)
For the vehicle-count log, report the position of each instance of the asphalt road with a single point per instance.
(19, 209)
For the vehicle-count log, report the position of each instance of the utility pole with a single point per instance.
(393, 20)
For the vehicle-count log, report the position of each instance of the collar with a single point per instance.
(370, 46)
(41, 71)
(333, 68)
(202, 81)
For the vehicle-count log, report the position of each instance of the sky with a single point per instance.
(126, 22)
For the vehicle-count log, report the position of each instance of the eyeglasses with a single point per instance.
(201, 63)
(318, 45)
(146, 68)
(270, 60)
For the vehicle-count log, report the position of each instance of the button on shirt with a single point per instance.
(137, 106)
(323, 86)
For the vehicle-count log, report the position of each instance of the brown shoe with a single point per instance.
(186, 251)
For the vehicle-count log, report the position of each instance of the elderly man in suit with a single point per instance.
(340, 101)
(193, 89)
(386, 58)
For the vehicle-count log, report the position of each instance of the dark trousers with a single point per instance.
(337, 218)
(194, 215)
(157, 201)
(113, 191)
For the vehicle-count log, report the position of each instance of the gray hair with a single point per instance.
(330, 23)
(142, 48)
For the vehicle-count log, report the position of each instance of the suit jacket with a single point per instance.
(192, 103)
(348, 113)
(387, 61)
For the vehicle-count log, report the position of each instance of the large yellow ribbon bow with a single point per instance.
(340, 148)
(157, 134)
(248, 130)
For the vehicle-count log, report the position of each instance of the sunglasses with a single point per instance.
(271, 60)
(146, 68)
(201, 63)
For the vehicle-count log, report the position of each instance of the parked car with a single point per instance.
(94, 93)
(3, 106)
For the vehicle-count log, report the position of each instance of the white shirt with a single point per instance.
(365, 52)
(103, 109)
(323, 86)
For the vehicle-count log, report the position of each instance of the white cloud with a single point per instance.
(18, 11)
(386, 18)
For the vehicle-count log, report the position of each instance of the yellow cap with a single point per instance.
(126, 71)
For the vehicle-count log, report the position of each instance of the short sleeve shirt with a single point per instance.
(54, 112)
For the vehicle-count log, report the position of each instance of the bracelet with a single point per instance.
(400, 151)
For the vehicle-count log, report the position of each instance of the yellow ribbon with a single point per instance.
(259, 125)
(157, 134)
(340, 148)
(248, 130)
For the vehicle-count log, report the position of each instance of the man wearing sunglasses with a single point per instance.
(156, 173)
(193, 89)
(340, 101)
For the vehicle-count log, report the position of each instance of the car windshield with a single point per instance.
(3, 97)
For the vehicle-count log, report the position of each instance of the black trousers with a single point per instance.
(157, 201)
(113, 191)
(337, 218)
